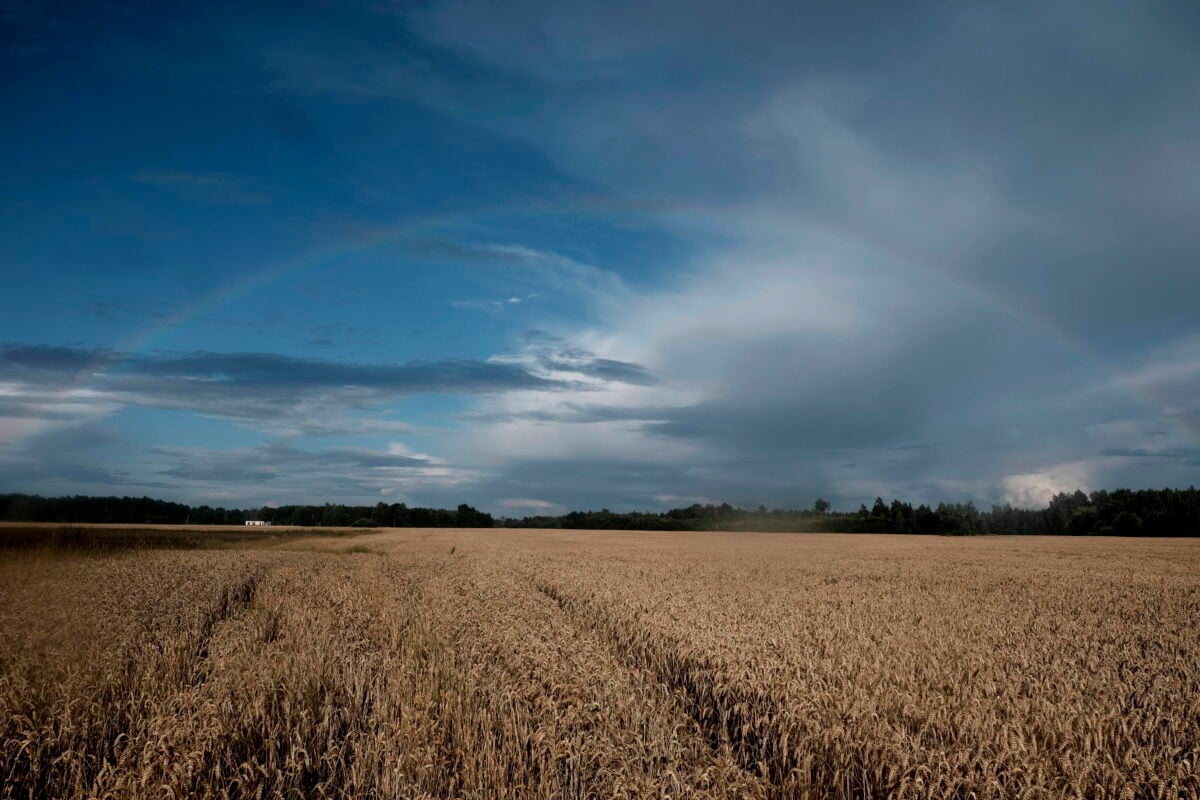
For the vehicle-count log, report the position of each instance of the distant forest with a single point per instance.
(148, 511)
(1122, 512)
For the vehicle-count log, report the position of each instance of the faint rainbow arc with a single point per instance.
(1026, 315)
(144, 338)
(1011, 308)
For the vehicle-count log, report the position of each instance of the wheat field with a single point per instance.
(557, 664)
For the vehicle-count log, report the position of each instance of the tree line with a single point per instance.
(1121, 512)
(148, 511)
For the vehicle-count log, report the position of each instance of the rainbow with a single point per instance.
(918, 266)
(250, 283)
(922, 267)
(145, 338)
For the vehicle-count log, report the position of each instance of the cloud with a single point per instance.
(1035, 489)
(941, 256)
(554, 359)
(201, 371)
(530, 505)
(271, 461)
(52, 359)
(61, 476)
(488, 305)
(68, 457)
(1139, 452)
(48, 382)
(1185, 456)
(294, 475)
(546, 270)
(766, 370)
(755, 400)
(1167, 374)
(922, 143)
(43, 386)
(911, 271)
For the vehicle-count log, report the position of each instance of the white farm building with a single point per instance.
(257, 522)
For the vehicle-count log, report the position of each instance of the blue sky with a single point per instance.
(544, 256)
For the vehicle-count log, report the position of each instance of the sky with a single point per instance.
(543, 256)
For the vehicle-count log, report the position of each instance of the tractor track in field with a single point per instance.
(729, 716)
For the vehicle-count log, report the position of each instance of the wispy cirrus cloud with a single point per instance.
(549, 271)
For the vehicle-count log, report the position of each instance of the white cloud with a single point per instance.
(557, 272)
(748, 326)
(30, 410)
(531, 504)
(1036, 489)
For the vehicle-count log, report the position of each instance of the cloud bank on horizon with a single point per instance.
(539, 256)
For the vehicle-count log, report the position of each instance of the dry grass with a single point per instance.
(554, 664)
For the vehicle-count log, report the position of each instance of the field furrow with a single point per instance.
(546, 665)
(584, 724)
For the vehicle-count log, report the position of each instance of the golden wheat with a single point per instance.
(550, 664)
